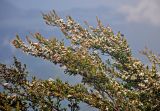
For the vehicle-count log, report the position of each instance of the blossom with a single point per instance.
(6, 84)
(50, 79)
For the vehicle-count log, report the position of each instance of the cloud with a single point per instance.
(144, 11)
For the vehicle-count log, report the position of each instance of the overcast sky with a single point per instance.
(138, 20)
(142, 11)
(136, 10)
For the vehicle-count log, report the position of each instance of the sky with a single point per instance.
(138, 20)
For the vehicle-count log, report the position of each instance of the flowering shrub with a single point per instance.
(116, 82)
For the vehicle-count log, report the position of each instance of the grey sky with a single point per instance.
(61, 4)
(135, 11)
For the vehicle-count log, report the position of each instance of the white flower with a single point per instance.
(118, 92)
(146, 80)
(141, 74)
(106, 109)
(141, 85)
(50, 79)
(64, 67)
(14, 95)
(133, 77)
(69, 96)
(8, 97)
(109, 29)
(30, 84)
(35, 43)
(95, 51)
(5, 84)
(75, 47)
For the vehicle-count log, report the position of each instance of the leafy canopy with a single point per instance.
(115, 82)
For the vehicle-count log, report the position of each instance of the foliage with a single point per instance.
(115, 82)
